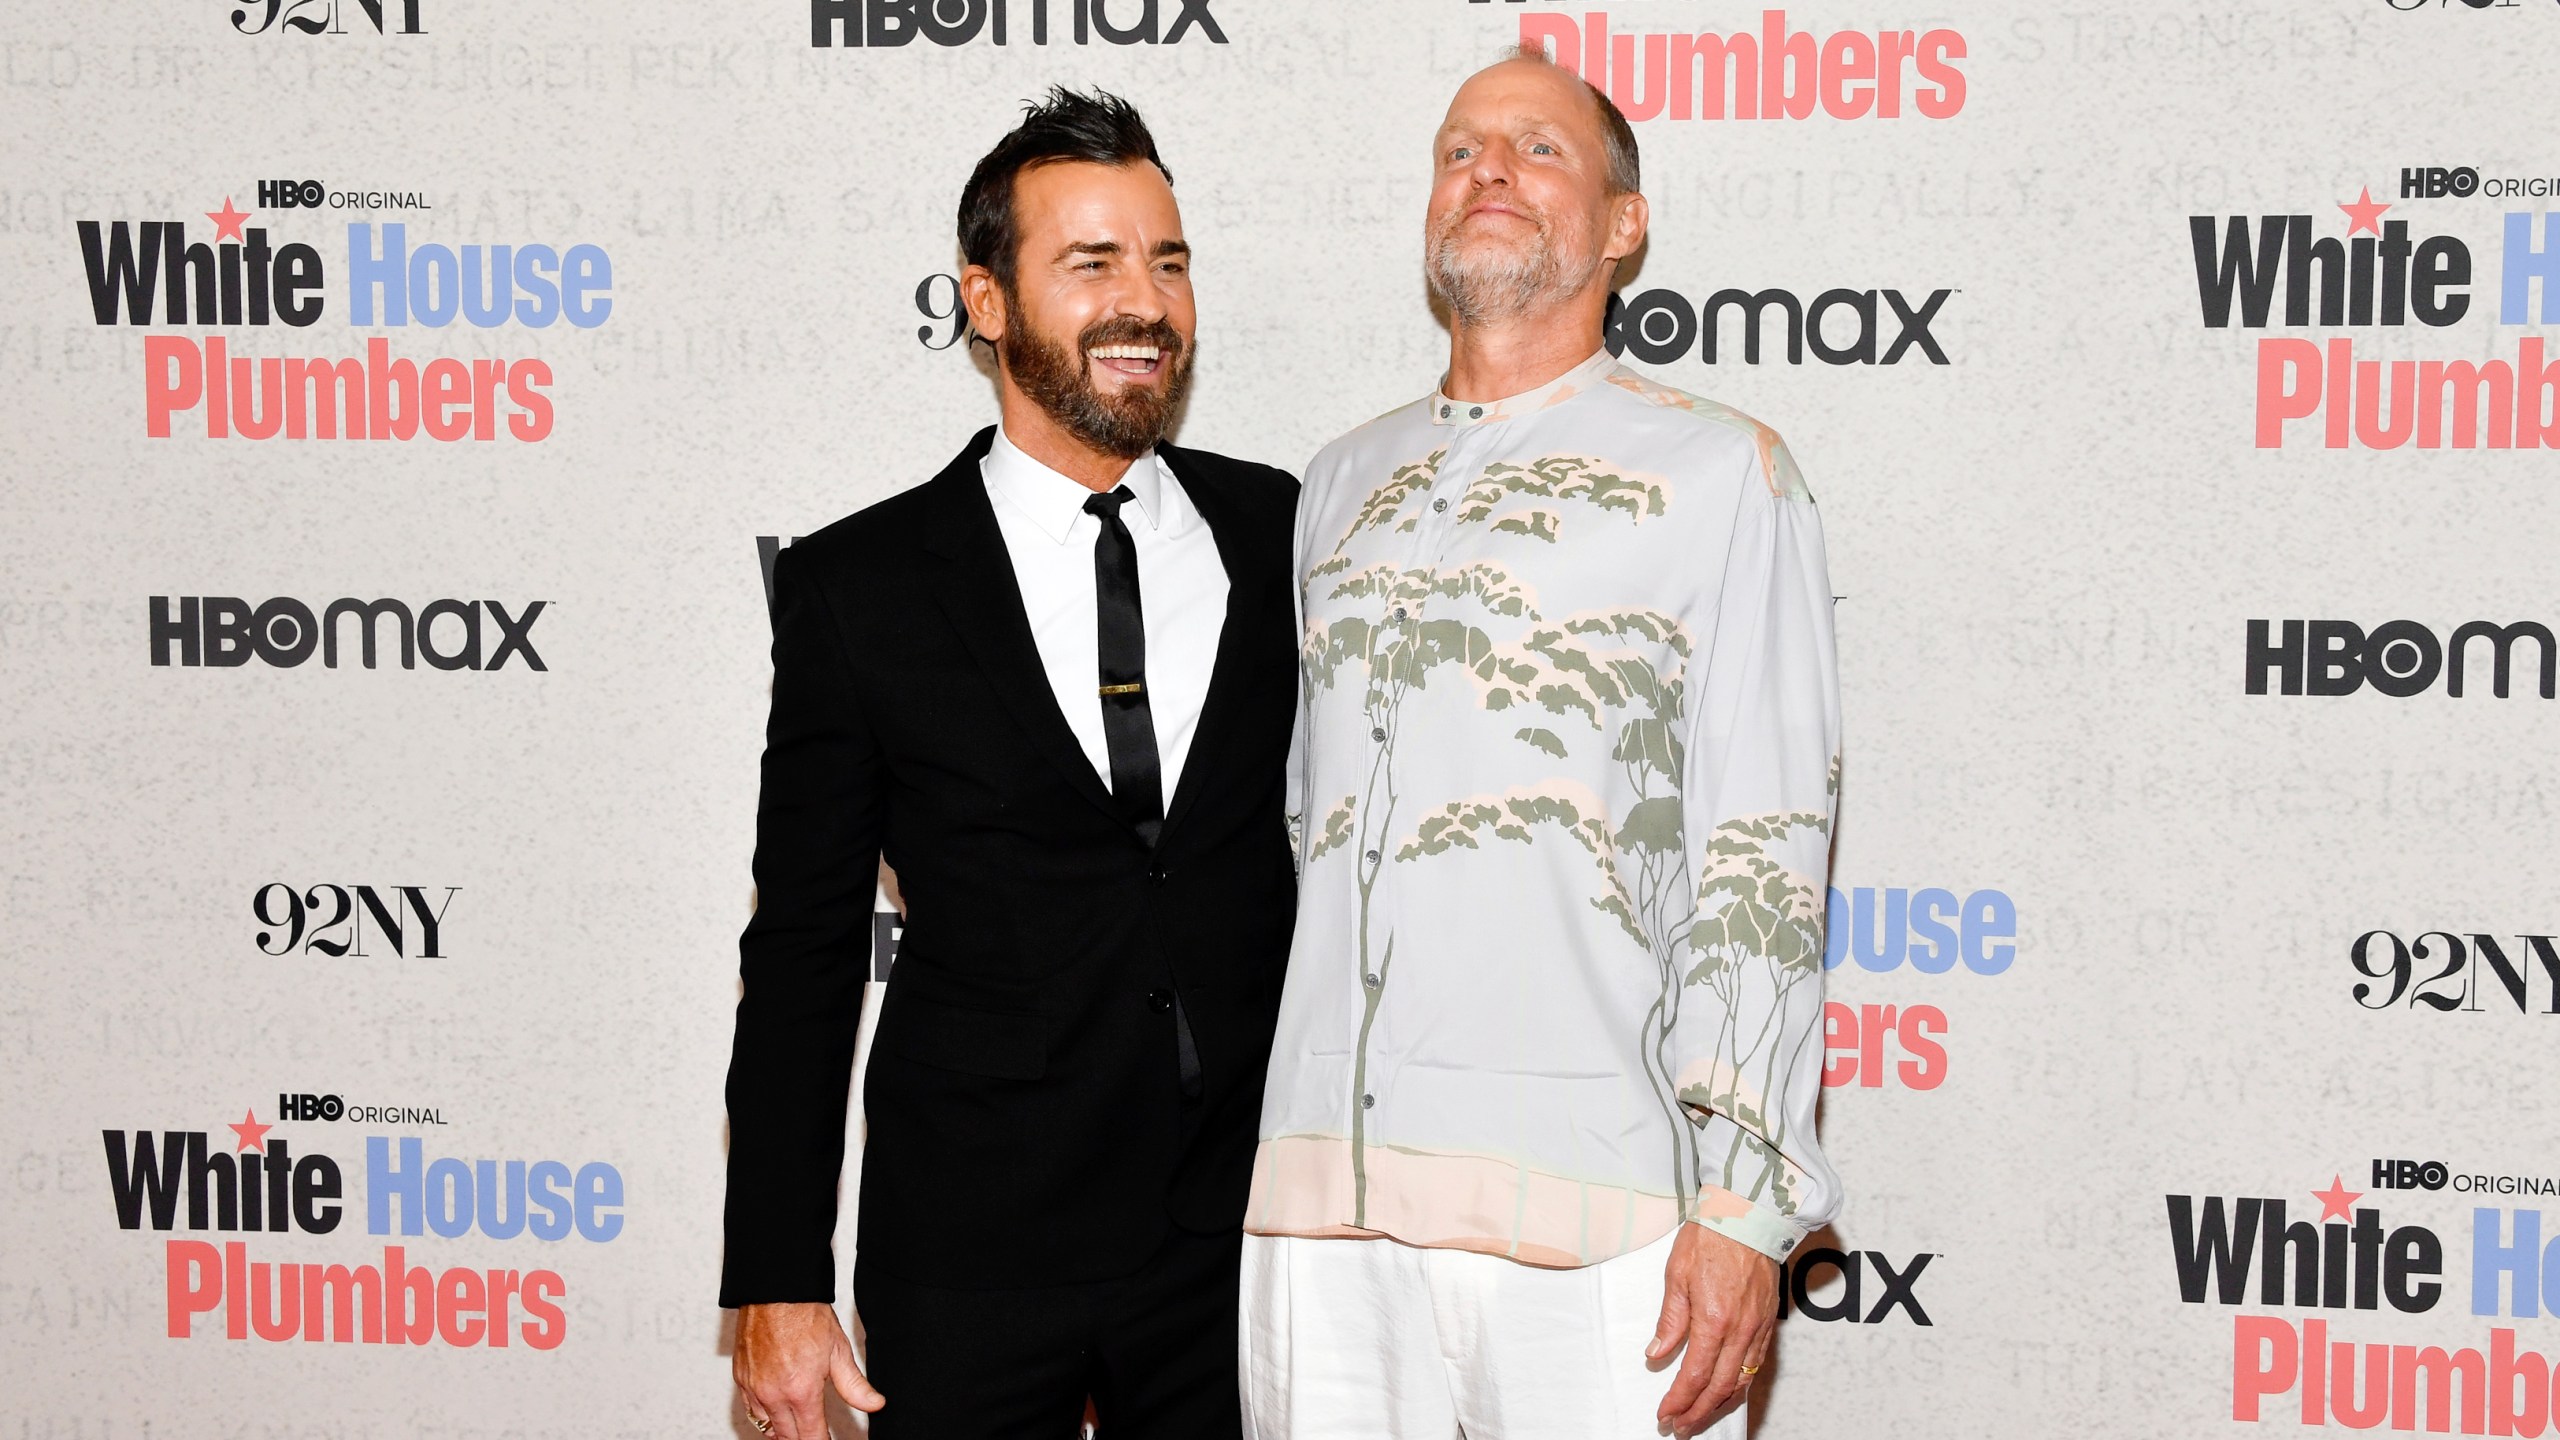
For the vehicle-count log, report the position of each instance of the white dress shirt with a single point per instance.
(1182, 592)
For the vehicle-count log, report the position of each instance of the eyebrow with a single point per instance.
(1542, 123)
(1164, 248)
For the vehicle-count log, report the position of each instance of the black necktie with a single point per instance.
(1128, 726)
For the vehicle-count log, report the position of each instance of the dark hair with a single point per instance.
(1099, 127)
(1617, 137)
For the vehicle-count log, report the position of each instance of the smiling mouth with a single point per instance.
(1137, 361)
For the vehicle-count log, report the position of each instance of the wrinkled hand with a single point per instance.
(1720, 1299)
(786, 1354)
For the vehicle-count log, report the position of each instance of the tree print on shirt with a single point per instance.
(1588, 677)
(1760, 922)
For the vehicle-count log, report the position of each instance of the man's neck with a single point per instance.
(1501, 358)
(1037, 434)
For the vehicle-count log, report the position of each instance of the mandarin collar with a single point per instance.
(1582, 377)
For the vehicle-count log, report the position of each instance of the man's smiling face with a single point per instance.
(1098, 319)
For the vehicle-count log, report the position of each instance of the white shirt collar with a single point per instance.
(1055, 503)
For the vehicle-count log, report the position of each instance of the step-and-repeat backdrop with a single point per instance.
(405, 402)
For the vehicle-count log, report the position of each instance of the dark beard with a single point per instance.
(1055, 379)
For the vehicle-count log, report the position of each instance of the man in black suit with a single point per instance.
(1053, 688)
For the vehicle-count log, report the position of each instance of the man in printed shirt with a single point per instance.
(1540, 1118)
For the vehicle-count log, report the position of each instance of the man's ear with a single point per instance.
(1628, 217)
(984, 296)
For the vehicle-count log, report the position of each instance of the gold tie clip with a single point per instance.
(1121, 690)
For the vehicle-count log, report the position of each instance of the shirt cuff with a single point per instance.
(1763, 1227)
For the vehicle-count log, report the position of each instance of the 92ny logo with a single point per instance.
(321, 17)
(2447, 977)
(331, 919)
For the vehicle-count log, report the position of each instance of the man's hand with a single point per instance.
(786, 1354)
(1719, 1298)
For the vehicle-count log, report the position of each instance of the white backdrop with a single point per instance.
(2050, 549)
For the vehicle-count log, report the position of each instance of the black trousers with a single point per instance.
(1155, 1350)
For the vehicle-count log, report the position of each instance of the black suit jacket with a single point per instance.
(1026, 1124)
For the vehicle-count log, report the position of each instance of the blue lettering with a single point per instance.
(383, 1183)
(435, 284)
(501, 1210)
(586, 267)
(1887, 937)
(2522, 264)
(1988, 916)
(599, 1189)
(544, 1178)
(485, 303)
(2523, 1263)
(449, 1198)
(389, 271)
(535, 265)
(1932, 912)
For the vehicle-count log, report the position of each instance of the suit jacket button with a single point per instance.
(1156, 875)
(1159, 1000)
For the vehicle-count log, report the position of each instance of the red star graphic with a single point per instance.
(2337, 1202)
(226, 221)
(253, 1136)
(2366, 212)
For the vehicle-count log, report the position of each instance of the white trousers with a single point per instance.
(1372, 1340)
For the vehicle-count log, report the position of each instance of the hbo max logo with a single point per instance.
(2402, 658)
(881, 24)
(226, 631)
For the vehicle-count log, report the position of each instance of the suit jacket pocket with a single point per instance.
(953, 1037)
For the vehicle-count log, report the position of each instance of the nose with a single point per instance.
(1491, 166)
(1139, 296)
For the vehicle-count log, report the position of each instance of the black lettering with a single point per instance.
(183, 631)
(2336, 657)
(1897, 1288)
(1196, 12)
(515, 637)
(146, 1174)
(2285, 659)
(2236, 268)
(1915, 326)
(2401, 658)
(227, 639)
(2282, 1246)
(2414, 1252)
(2504, 641)
(1752, 307)
(1861, 303)
(468, 657)
(2301, 254)
(1800, 1285)
(366, 615)
(829, 18)
(117, 267)
(2212, 1250)
(284, 632)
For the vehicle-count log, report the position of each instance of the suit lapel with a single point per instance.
(979, 592)
(1217, 712)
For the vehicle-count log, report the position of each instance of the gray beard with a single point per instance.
(1495, 288)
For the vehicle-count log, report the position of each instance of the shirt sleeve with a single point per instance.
(1759, 783)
